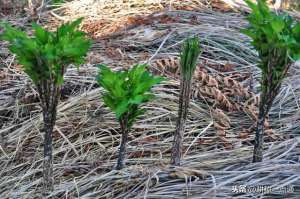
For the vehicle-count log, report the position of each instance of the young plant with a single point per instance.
(188, 61)
(277, 41)
(45, 57)
(125, 92)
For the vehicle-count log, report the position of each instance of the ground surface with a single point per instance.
(218, 141)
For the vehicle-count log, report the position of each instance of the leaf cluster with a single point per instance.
(57, 1)
(188, 57)
(126, 90)
(276, 37)
(46, 54)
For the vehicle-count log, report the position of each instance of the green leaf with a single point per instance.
(276, 37)
(249, 33)
(126, 90)
(296, 57)
(122, 107)
(109, 101)
(41, 35)
(277, 25)
(188, 57)
(139, 99)
(45, 53)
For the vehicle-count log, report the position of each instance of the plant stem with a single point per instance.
(184, 99)
(49, 98)
(122, 149)
(258, 146)
(264, 108)
(47, 163)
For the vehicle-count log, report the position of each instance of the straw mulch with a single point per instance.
(218, 142)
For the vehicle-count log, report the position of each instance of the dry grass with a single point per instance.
(218, 140)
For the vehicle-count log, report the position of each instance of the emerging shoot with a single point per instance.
(277, 41)
(125, 92)
(188, 61)
(45, 57)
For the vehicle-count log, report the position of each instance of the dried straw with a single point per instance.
(218, 141)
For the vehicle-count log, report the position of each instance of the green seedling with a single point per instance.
(45, 57)
(276, 37)
(125, 92)
(188, 60)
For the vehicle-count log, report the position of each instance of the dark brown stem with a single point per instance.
(47, 163)
(259, 140)
(184, 100)
(122, 149)
(49, 97)
(264, 108)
